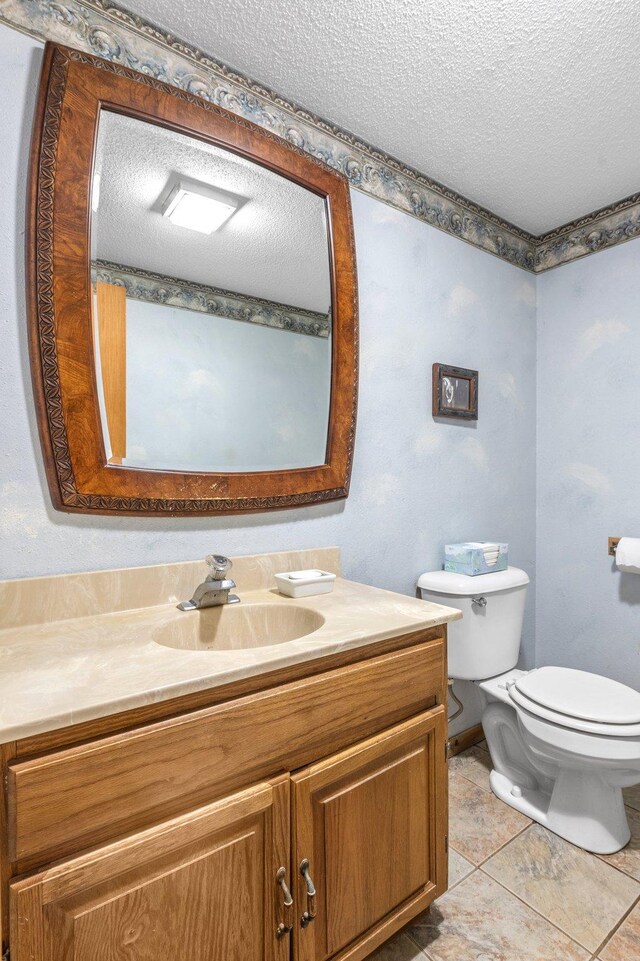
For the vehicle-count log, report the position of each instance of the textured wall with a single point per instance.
(588, 614)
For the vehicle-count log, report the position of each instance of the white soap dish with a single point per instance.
(305, 583)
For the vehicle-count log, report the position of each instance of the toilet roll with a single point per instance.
(628, 555)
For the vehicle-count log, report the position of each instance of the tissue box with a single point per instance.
(476, 557)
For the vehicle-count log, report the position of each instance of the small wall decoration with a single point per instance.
(455, 392)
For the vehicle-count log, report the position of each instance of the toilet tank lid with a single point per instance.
(464, 585)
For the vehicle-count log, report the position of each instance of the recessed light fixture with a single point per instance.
(199, 206)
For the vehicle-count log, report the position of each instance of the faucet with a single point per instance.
(214, 590)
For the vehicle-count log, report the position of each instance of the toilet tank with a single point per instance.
(486, 641)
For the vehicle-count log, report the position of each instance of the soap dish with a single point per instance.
(305, 583)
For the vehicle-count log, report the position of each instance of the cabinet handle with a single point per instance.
(280, 878)
(310, 913)
(283, 928)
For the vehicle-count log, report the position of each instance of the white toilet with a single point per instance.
(563, 742)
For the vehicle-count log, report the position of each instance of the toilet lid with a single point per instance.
(579, 694)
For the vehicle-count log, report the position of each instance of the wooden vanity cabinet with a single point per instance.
(357, 836)
(371, 822)
(199, 887)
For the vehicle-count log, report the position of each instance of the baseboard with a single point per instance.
(463, 740)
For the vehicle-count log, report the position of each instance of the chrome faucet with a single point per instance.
(214, 590)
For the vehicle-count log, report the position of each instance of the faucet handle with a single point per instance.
(219, 566)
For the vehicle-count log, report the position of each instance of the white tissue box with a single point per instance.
(305, 583)
(476, 557)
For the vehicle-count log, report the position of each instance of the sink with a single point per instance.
(238, 627)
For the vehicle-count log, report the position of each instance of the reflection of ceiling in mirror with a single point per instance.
(274, 247)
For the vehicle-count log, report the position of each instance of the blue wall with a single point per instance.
(424, 297)
(588, 614)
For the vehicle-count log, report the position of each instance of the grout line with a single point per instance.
(617, 927)
(502, 846)
(489, 856)
(553, 925)
(612, 930)
(460, 880)
(478, 867)
(535, 911)
(487, 790)
(532, 824)
(420, 948)
(526, 905)
(614, 866)
(600, 858)
(507, 843)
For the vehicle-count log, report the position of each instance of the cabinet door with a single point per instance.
(372, 824)
(201, 887)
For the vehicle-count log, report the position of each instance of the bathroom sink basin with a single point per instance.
(237, 627)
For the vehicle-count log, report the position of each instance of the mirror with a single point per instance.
(212, 306)
(192, 300)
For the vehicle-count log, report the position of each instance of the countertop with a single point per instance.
(81, 668)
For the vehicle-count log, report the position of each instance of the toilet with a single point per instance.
(563, 743)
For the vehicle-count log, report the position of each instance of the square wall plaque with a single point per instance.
(455, 392)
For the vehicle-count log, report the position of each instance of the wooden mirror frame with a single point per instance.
(74, 87)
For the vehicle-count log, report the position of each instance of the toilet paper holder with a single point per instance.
(613, 543)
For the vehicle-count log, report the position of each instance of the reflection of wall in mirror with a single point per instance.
(209, 393)
(212, 384)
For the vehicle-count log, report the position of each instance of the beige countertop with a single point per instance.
(62, 672)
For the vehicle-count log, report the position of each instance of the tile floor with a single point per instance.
(517, 892)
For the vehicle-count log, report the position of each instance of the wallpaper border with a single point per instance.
(596, 231)
(109, 31)
(153, 288)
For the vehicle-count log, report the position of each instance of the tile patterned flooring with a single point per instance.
(517, 892)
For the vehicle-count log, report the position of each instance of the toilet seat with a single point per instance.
(581, 694)
(579, 701)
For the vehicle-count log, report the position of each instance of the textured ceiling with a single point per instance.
(529, 108)
(274, 246)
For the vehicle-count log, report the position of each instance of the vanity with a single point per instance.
(266, 788)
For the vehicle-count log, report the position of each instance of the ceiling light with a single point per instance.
(199, 207)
